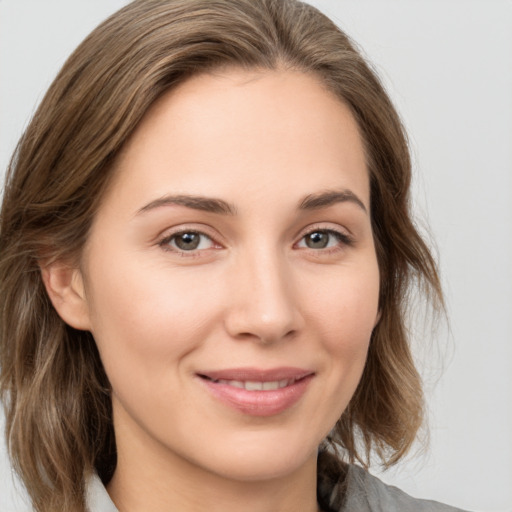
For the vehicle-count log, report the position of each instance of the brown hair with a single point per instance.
(55, 391)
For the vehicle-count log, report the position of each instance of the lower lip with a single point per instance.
(259, 403)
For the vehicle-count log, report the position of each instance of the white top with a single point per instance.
(97, 497)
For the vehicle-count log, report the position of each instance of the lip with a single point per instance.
(257, 402)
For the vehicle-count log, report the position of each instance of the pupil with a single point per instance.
(317, 240)
(188, 241)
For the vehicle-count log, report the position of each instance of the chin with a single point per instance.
(260, 469)
(262, 457)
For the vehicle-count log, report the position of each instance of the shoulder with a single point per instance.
(364, 492)
(348, 488)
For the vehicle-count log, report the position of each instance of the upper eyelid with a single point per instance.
(176, 230)
(324, 226)
(170, 236)
(343, 237)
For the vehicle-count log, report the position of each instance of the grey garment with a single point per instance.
(340, 489)
(362, 492)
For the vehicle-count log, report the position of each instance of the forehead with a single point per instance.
(235, 130)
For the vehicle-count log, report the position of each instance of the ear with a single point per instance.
(65, 287)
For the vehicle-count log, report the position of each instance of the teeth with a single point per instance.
(234, 383)
(254, 386)
(257, 386)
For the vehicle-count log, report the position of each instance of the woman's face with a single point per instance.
(231, 281)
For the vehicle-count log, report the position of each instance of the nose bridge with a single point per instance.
(264, 304)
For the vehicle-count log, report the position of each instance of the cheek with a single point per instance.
(342, 314)
(146, 325)
(346, 310)
(345, 315)
(147, 317)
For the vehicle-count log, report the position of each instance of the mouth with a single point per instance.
(253, 385)
(257, 392)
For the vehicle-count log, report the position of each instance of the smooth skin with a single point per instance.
(236, 233)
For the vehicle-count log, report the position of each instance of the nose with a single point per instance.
(264, 302)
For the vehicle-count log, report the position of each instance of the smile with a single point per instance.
(257, 392)
(257, 386)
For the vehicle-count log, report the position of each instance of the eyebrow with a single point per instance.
(219, 206)
(205, 204)
(329, 198)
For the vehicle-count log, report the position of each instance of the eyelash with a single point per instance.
(343, 238)
(165, 242)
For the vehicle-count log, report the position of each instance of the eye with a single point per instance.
(187, 241)
(323, 239)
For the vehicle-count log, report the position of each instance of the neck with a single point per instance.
(158, 480)
(137, 488)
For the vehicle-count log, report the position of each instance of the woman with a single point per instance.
(206, 254)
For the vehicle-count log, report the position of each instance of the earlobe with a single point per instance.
(65, 287)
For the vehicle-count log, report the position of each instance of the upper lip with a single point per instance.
(257, 374)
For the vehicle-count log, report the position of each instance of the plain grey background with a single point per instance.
(448, 67)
